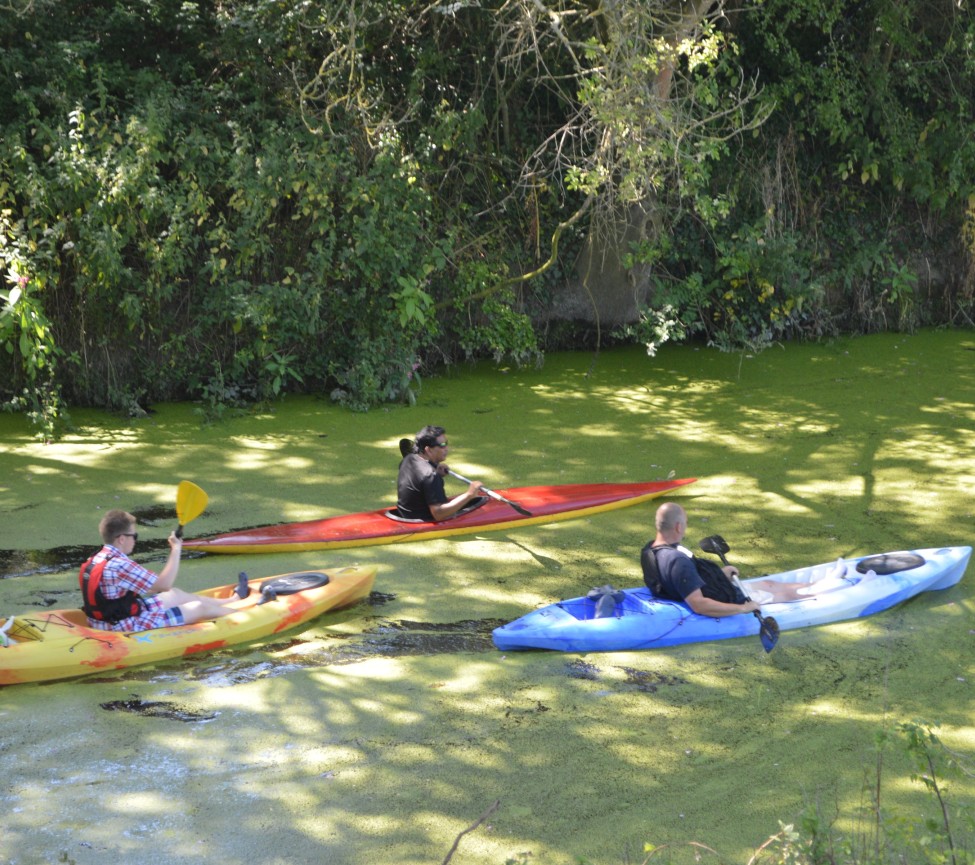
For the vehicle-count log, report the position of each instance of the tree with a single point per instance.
(600, 117)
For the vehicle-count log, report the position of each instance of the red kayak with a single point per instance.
(529, 506)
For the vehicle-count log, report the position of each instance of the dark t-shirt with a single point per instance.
(681, 573)
(417, 487)
(678, 573)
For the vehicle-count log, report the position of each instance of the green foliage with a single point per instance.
(885, 836)
(863, 80)
(870, 151)
(380, 375)
(828, 216)
(27, 337)
(757, 290)
(656, 326)
(491, 320)
(191, 237)
(194, 221)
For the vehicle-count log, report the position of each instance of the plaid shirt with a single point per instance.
(122, 575)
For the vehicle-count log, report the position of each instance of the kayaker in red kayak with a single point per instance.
(420, 487)
(671, 571)
(119, 594)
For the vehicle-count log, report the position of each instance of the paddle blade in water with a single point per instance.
(768, 632)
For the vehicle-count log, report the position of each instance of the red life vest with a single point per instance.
(93, 600)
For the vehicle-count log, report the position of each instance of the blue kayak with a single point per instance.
(631, 619)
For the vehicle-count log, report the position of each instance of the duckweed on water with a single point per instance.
(380, 733)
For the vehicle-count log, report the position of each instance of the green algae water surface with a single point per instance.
(382, 732)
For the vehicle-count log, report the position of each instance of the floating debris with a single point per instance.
(580, 669)
(158, 709)
(649, 681)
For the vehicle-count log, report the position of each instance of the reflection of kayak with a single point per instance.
(58, 644)
(546, 504)
(637, 620)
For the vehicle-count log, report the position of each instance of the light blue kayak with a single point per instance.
(634, 619)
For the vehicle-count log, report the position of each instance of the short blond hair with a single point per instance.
(116, 522)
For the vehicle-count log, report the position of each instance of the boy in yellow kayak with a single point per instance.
(119, 594)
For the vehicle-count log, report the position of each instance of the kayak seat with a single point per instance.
(890, 563)
(291, 584)
(605, 599)
(394, 514)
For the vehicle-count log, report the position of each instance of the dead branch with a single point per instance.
(494, 807)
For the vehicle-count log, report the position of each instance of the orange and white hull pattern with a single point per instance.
(58, 644)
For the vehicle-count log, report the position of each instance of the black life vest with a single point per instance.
(651, 573)
(93, 600)
(716, 583)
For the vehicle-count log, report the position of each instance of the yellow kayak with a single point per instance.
(58, 644)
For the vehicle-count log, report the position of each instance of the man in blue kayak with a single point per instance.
(672, 571)
(420, 488)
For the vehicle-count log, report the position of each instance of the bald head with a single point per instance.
(670, 516)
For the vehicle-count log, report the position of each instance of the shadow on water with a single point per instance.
(381, 638)
(385, 639)
(29, 563)
(640, 680)
(227, 673)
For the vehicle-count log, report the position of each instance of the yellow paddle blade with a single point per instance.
(191, 501)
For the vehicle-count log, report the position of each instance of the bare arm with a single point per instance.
(705, 606)
(446, 510)
(167, 576)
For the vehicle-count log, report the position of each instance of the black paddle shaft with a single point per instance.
(768, 628)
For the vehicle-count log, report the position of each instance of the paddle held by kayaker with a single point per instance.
(420, 493)
(673, 572)
(119, 594)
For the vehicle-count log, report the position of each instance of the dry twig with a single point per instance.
(494, 807)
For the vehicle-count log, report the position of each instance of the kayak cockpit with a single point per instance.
(607, 602)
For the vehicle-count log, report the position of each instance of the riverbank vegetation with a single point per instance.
(228, 202)
(878, 837)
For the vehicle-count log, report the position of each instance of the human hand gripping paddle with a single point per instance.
(407, 446)
(768, 628)
(496, 496)
(191, 501)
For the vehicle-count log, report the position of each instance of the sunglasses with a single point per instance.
(133, 535)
